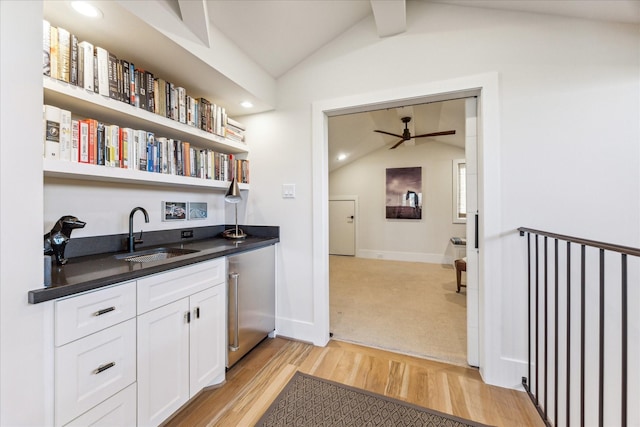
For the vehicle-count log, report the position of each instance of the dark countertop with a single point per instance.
(90, 272)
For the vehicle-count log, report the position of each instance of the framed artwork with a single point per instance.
(197, 210)
(174, 211)
(404, 193)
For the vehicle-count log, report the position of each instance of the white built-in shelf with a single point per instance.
(83, 171)
(86, 104)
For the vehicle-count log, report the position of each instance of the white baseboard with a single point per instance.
(405, 256)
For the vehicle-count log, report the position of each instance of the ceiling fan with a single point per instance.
(406, 135)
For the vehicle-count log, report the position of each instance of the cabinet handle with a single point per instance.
(104, 367)
(104, 311)
(187, 316)
(235, 344)
(197, 312)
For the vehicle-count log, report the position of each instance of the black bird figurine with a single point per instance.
(56, 240)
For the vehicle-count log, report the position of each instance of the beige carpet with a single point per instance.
(408, 307)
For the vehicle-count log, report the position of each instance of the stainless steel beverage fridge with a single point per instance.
(251, 312)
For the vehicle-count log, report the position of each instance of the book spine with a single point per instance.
(181, 95)
(149, 87)
(101, 141)
(93, 141)
(142, 150)
(65, 135)
(84, 142)
(46, 47)
(150, 151)
(132, 84)
(141, 91)
(73, 70)
(64, 54)
(87, 64)
(115, 146)
(52, 132)
(112, 74)
(53, 51)
(120, 77)
(102, 56)
(75, 140)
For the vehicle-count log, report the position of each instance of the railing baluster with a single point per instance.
(536, 323)
(529, 304)
(546, 322)
(582, 329)
(623, 373)
(568, 385)
(601, 343)
(555, 344)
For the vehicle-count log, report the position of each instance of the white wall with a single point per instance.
(25, 363)
(105, 207)
(424, 240)
(569, 153)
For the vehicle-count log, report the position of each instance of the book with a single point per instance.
(46, 47)
(141, 149)
(112, 74)
(151, 142)
(126, 81)
(83, 155)
(93, 140)
(132, 84)
(141, 89)
(149, 79)
(53, 51)
(102, 59)
(114, 146)
(64, 54)
(86, 58)
(52, 132)
(101, 141)
(126, 148)
(75, 141)
(65, 135)
(73, 69)
(181, 98)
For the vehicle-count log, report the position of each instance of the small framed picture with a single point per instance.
(174, 211)
(197, 210)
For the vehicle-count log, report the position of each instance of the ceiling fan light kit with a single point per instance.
(406, 134)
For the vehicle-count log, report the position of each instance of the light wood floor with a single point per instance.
(256, 380)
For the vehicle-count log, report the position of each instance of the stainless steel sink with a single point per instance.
(157, 254)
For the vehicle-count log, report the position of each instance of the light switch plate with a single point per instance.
(288, 191)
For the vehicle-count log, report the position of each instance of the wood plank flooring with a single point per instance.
(254, 382)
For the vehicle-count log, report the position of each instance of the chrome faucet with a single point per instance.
(132, 241)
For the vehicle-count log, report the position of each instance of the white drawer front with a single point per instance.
(92, 369)
(164, 288)
(81, 315)
(119, 410)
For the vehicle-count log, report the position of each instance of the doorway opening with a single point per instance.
(398, 292)
(488, 309)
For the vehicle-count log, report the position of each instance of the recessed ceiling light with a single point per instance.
(86, 9)
(342, 157)
(246, 104)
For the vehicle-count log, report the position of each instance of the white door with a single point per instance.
(163, 362)
(342, 230)
(473, 297)
(207, 338)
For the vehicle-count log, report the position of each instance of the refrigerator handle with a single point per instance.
(233, 301)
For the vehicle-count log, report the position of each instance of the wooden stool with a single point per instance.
(461, 265)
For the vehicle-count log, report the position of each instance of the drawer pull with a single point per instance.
(103, 368)
(104, 311)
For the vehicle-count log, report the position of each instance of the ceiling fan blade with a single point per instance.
(396, 144)
(388, 133)
(446, 132)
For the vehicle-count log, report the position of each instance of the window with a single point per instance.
(459, 191)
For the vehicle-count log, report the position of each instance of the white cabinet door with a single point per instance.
(163, 362)
(207, 352)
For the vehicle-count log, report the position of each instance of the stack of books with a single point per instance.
(91, 141)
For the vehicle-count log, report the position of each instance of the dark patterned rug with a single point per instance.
(310, 401)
